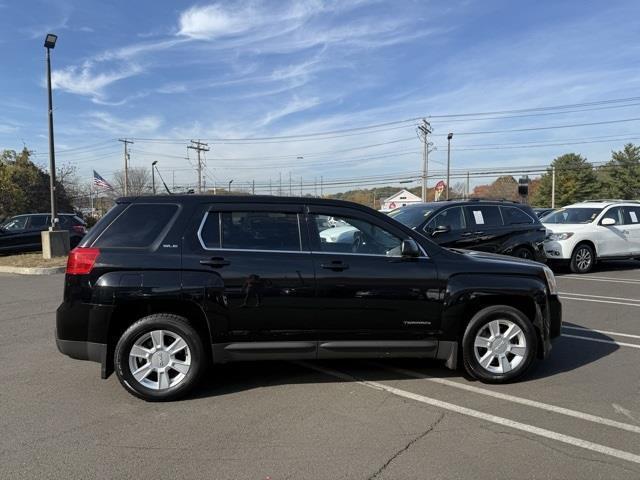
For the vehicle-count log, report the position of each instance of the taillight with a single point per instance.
(81, 260)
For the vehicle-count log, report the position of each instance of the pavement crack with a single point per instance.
(407, 447)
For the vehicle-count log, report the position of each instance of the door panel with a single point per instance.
(489, 232)
(612, 240)
(632, 225)
(260, 283)
(370, 292)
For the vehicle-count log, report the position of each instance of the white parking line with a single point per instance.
(612, 342)
(604, 332)
(599, 296)
(512, 398)
(542, 432)
(601, 279)
(565, 297)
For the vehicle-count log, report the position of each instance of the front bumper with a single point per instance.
(558, 250)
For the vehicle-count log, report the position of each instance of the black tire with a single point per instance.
(578, 264)
(172, 324)
(523, 252)
(478, 324)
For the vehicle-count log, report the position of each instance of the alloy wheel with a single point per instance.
(159, 359)
(583, 259)
(500, 346)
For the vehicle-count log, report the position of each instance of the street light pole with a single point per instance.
(49, 43)
(449, 137)
(230, 182)
(153, 176)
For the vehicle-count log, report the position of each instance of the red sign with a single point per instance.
(440, 186)
(392, 205)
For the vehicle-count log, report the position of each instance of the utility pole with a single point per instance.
(253, 187)
(199, 146)
(126, 164)
(468, 192)
(321, 186)
(290, 186)
(448, 187)
(553, 187)
(270, 190)
(300, 186)
(423, 131)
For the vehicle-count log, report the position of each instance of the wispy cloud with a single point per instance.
(129, 126)
(295, 105)
(85, 80)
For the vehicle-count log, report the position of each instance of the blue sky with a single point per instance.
(238, 69)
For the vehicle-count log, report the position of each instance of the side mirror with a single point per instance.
(441, 229)
(409, 248)
(607, 222)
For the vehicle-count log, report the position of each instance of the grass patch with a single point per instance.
(31, 260)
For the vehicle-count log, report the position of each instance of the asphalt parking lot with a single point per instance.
(576, 416)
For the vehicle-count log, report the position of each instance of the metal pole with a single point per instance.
(468, 190)
(253, 187)
(290, 186)
(153, 178)
(424, 169)
(553, 187)
(449, 137)
(52, 154)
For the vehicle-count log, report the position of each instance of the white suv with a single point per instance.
(593, 230)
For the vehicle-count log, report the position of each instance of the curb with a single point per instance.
(33, 270)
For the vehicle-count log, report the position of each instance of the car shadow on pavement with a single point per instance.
(602, 267)
(567, 354)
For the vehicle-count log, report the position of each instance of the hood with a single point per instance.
(567, 227)
(495, 263)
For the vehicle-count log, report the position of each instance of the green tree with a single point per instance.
(621, 176)
(24, 186)
(576, 180)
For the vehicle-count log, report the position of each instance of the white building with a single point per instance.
(400, 199)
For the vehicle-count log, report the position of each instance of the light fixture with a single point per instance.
(50, 40)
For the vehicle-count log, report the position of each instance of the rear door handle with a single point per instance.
(336, 265)
(467, 234)
(215, 262)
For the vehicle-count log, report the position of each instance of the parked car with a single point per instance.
(542, 212)
(162, 286)
(21, 233)
(585, 233)
(504, 227)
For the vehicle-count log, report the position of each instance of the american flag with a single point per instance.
(98, 181)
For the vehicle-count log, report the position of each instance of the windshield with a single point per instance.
(572, 215)
(411, 217)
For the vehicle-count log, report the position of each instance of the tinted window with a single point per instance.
(632, 215)
(260, 231)
(38, 221)
(210, 231)
(515, 216)
(352, 235)
(484, 216)
(138, 226)
(451, 217)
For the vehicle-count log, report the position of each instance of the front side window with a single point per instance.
(451, 217)
(353, 235)
(138, 226)
(616, 214)
(260, 231)
(515, 216)
(632, 215)
(15, 224)
(483, 216)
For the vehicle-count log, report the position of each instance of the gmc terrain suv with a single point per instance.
(163, 286)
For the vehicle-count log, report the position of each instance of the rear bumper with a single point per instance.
(80, 350)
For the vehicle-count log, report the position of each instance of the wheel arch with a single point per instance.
(586, 242)
(126, 314)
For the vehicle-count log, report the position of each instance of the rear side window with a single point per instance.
(260, 231)
(515, 216)
(38, 221)
(484, 216)
(138, 226)
(210, 231)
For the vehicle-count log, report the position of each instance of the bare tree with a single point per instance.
(139, 182)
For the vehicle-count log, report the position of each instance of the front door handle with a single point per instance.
(479, 233)
(337, 265)
(467, 234)
(215, 262)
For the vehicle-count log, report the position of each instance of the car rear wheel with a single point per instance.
(582, 259)
(159, 357)
(499, 344)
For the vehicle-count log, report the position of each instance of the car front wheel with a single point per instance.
(582, 259)
(159, 357)
(499, 344)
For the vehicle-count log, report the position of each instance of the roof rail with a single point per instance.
(484, 199)
(609, 200)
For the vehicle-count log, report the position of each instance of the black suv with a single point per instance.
(22, 233)
(163, 286)
(504, 227)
